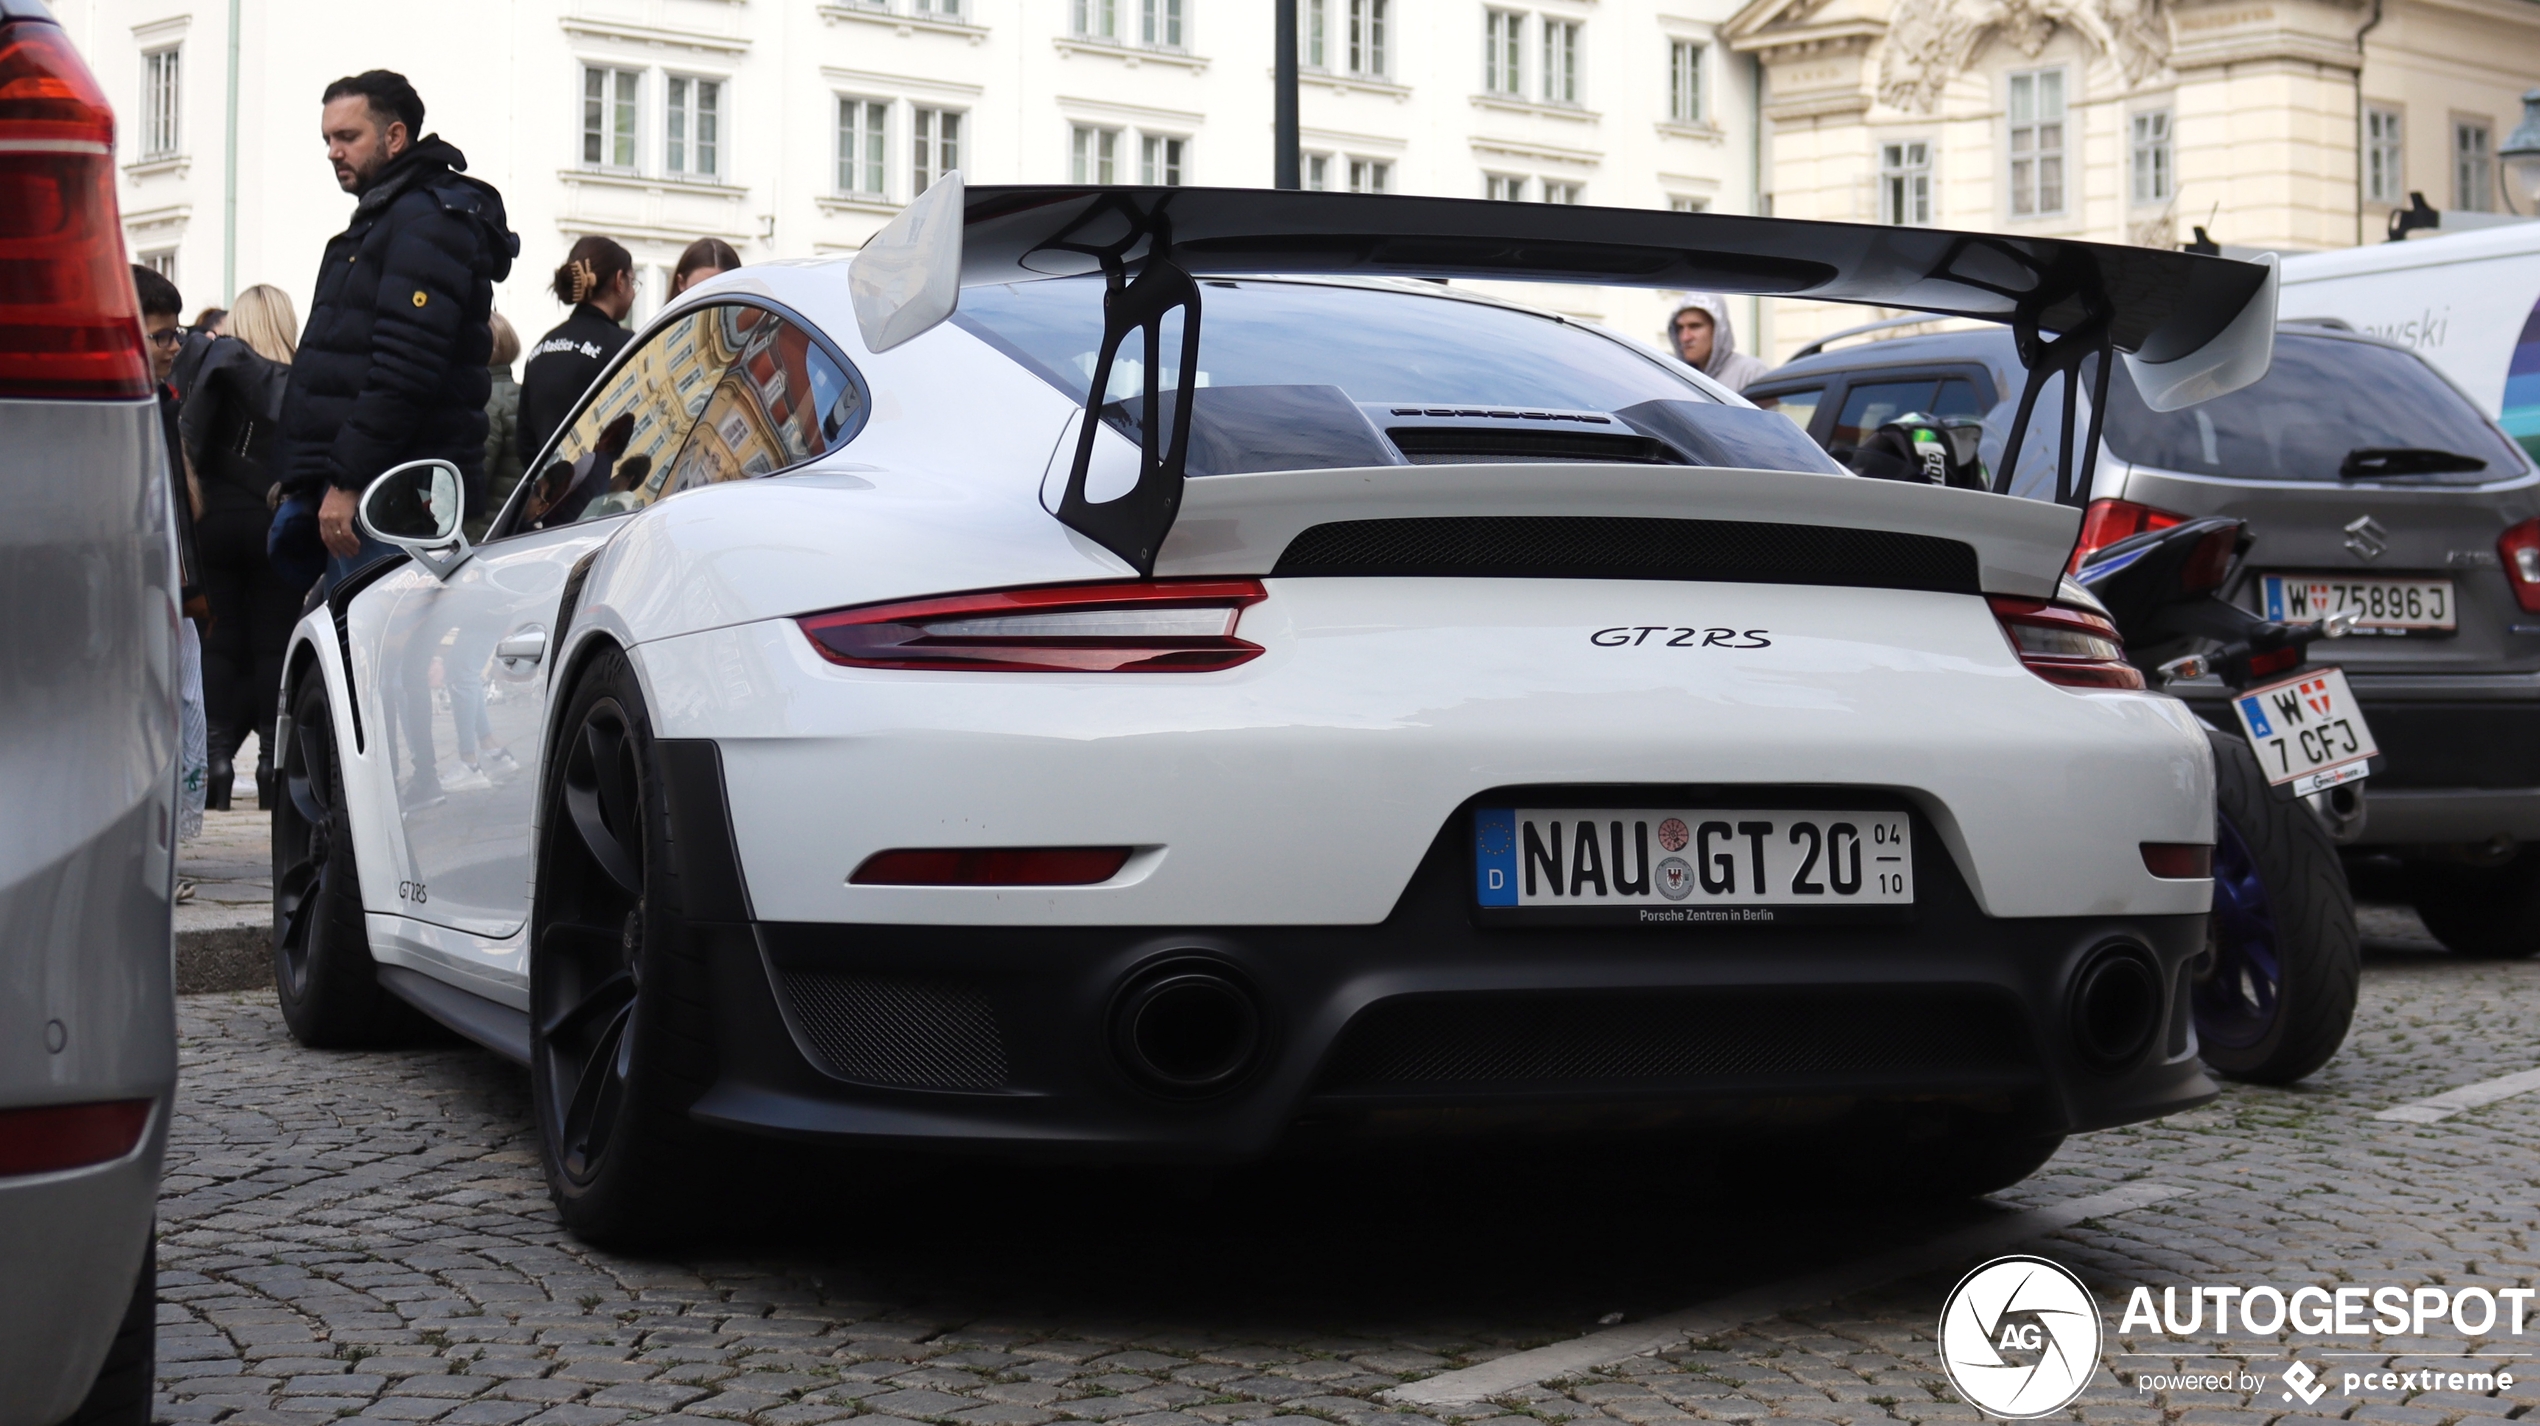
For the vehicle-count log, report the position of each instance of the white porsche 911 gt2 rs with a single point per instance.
(1138, 673)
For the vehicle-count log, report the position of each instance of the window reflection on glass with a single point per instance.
(726, 392)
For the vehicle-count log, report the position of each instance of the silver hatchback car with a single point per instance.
(88, 755)
(2369, 483)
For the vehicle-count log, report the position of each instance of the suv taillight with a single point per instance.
(69, 324)
(1147, 626)
(2061, 644)
(2108, 521)
(2519, 549)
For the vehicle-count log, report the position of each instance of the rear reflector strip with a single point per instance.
(1147, 626)
(2180, 861)
(51, 1137)
(991, 866)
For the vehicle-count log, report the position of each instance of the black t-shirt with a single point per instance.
(561, 367)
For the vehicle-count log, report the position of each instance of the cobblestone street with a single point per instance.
(367, 1234)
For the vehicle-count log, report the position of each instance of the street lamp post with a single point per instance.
(1287, 167)
(2520, 158)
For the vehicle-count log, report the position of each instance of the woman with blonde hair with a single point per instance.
(229, 421)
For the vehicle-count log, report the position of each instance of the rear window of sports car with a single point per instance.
(1375, 344)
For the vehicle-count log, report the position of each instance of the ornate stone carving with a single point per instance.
(1931, 42)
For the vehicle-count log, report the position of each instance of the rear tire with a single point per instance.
(121, 1394)
(620, 1037)
(322, 970)
(2485, 913)
(2275, 989)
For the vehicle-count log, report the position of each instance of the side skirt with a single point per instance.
(499, 1028)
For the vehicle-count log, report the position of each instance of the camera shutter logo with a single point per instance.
(2020, 1338)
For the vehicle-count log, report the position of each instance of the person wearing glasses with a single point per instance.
(162, 321)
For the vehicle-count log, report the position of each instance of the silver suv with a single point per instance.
(2369, 482)
(88, 755)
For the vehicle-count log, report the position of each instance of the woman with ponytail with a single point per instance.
(597, 281)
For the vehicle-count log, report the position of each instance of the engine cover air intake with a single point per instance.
(1615, 547)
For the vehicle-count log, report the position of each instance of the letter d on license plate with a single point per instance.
(2307, 731)
(1691, 866)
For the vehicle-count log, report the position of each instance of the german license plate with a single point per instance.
(1691, 866)
(2307, 731)
(2382, 606)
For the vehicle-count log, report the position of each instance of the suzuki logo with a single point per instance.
(2366, 539)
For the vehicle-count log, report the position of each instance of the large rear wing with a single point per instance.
(2189, 327)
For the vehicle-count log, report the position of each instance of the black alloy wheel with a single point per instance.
(322, 969)
(619, 1044)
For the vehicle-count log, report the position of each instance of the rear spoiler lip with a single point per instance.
(1240, 524)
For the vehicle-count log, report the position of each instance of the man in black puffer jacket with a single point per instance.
(391, 366)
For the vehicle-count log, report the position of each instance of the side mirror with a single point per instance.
(416, 507)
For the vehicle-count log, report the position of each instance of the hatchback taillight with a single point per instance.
(48, 1138)
(2519, 549)
(2061, 644)
(2108, 521)
(69, 324)
(1147, 626)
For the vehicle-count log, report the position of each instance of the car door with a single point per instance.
(463, 676)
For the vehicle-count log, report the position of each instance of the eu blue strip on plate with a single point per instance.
(1495, 855)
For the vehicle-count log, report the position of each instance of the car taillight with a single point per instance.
(2065, 645)
(48, 1138)
(1149, 626)
(991, 866)
(2519, 548)
(2183, 861)
(2108, 521)
(69, 323)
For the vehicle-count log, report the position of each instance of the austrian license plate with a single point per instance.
(2382, 606)
(1691, 866)
(2307, 731)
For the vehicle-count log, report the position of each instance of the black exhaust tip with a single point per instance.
(2116, 1006)
(1187, 1028)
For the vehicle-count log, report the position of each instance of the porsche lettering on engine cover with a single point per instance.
(1029, 688)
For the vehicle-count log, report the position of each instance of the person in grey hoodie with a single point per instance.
(1699, 335)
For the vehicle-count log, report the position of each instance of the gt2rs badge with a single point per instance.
(1632, 636)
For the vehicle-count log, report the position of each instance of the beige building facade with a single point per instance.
(2282, 125)
(797, 128)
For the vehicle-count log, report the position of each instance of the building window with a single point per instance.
(1681, 203)
(2385, 165)
(1684, 82)
(1504, 187)
(1318, 172)
(1905, 184)
(1159, 23)
(2473, 167)
(162, 89)
(2153, 182)
(162, 262)
(1160, 161)
(1560, 192)
(608, 117)
(1503, 35)
(1368, 175)
(693, 140)
(1095, 154)
(1310, 46)
(940, 9)
(1094, 19)
(1560, 61)
(938, 147)
(863, 129)
(2037, 143)
(1367, 38)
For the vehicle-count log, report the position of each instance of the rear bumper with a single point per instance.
(71, 1244)
(1000, 1039)
(2461, 757)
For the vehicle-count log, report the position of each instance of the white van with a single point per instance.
(2467, 302)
